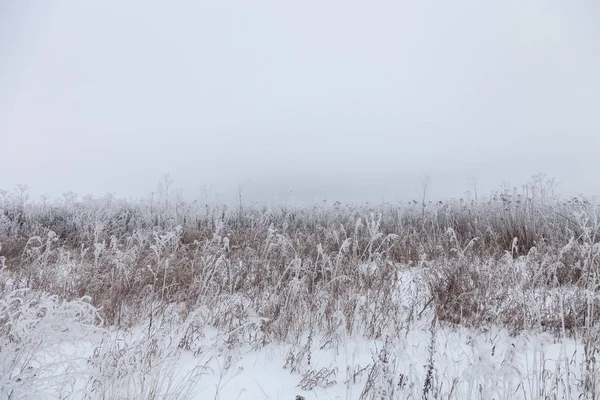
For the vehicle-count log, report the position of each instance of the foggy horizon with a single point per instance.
(299, 102)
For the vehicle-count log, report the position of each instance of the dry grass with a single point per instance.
(522, 260)
(495, 261)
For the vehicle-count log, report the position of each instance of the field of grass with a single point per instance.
(487, 297)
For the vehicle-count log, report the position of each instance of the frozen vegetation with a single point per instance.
(487, 297)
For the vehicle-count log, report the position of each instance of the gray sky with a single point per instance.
(348, 100)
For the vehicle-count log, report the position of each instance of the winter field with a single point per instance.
(487, 297)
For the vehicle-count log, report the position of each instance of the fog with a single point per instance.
(298, 101)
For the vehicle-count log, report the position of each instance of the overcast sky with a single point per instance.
(344, 100)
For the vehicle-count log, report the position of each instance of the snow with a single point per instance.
(81, 360)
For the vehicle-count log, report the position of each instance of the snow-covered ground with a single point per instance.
(64, 354)
(466, 364)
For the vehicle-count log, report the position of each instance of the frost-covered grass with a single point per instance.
(493, 299)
